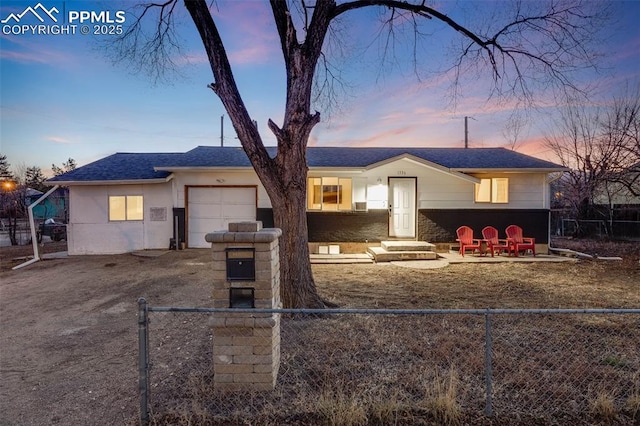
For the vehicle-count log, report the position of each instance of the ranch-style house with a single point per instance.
(135, 201)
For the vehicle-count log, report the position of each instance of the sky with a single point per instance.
(62, 95)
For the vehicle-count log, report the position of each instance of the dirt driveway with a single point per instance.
(68, 334)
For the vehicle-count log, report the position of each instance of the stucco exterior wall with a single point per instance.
(90, 231)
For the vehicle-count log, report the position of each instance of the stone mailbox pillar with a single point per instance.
(246, 274)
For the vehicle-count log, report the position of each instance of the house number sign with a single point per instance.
(402, 173)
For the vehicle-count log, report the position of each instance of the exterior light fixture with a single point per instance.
(8, 185)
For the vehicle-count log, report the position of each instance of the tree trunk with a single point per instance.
(285, 176)
(13, 226)
(297, 285)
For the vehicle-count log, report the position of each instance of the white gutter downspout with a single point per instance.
(32, 225)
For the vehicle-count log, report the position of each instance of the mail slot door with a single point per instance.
(241, 265)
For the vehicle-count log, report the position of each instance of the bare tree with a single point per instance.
(535, 42)
(9, 198)
(621, 128)
(599, 145)
(67, 166)
(513, 130)
(12, 201)
(14, 195)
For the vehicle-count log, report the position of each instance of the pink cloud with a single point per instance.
(191, 59)
(383, 137)
(535, 147)
(58, 139)
(248, 31)
(20, 50)
(250, 55)
(23, 57)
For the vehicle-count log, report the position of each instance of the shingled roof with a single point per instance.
(125, 167)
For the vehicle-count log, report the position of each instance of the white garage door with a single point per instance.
(211, 209)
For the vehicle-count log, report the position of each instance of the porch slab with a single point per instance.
(341, 258)
(455, 257)
(407, 246)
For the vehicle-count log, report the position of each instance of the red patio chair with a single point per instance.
(518, 242)
(490, 235)
(466, 240)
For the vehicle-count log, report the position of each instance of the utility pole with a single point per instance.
(222, 130)
(466, 130)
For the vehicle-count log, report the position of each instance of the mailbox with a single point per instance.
(242, 297)
(241, 265)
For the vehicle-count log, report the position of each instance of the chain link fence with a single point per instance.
(615, 229)
(359, 367)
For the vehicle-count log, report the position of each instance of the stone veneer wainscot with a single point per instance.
(246, 346)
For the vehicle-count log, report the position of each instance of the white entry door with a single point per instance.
(212, 208)
(402, 207)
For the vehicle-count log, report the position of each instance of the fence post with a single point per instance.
(488, 369)
(143, 361)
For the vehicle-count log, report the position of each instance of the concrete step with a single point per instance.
(407, 246)
(382, 255)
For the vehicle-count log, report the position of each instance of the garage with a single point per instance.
(212, 208)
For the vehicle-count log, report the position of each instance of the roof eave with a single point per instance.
(511, 170)
(337, 169)
(426, 163)
(108, 182)
(203, 169)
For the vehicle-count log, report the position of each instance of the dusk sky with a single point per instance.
(61, 96)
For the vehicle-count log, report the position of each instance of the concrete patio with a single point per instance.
(447, 258)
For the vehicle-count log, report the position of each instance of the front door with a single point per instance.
(402, 207)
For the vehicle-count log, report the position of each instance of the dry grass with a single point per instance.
(406, 370)
(340, 409)
(632, 405)
(442, 399)
(603, 407)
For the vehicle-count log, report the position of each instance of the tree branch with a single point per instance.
(550, 43)
(225, 86)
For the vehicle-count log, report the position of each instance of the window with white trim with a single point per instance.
(125, 207)
(493, 190)
(329, 194)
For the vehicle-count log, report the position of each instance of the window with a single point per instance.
(329, 194)
(494, 190)
(125, 207)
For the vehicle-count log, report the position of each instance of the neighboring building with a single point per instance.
(616, 193)
(52, 207)
(130, 201)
